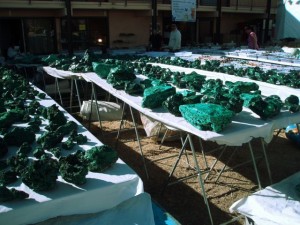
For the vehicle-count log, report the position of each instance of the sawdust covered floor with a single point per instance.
(184, 200)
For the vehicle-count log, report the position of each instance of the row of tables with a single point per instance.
(116, 193)
(245, 126)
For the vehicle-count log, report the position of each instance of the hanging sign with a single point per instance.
(184, 10)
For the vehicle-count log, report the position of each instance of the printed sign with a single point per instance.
(184, 10)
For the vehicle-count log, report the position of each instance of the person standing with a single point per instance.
(175, 39)
(252, 38)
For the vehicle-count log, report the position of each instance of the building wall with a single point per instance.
(129, 28)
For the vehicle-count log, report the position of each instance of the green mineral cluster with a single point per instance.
(102, 69)
(41, 175)
(7, 194)
(119, 76)
(73, 168)
(265, 108)
(154, 96)
(18, 135)
(205, 116)
(292, 103)
(7, 177)
(100, 158)
(11, 117)
(173, 102)
(3, 148)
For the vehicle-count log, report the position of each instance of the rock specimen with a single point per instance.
(265, 108)
(41, 175)
(73, 168)
(100, 158)
(205, 116)
(292, 103)
(11, 194)
(18, 135)
(102, 69)
(154, 96)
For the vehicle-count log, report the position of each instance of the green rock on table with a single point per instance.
(100, 158)
(73, 168)
(264, 108)
(50, 139)
(292, 103)
(18, 135)
(7, 177)
(66, 128)
(18, 162)
(102, 69)
(239, 87)
(25, 148)
(10, 117)
(41, 175)
(133, 88)
(172, 104)
(7, 194)
(3, 148)
(192, 81)
(205, 116)
(154, 96)
(119, 75)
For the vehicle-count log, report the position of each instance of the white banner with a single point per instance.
(184, 10)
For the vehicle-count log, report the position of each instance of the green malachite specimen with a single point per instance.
(7, 194)
(154, 96)
(102, 69)
(134, 89)
(100, 158)
(205, 116)
(38, 152)
(240, 87)
(212, 87)
(292, 103)
(18, 135)
(3, 148)
(55, 116)
(67, 128)
(265, 108)
(68, 144)
(10, 117)
(119, 76)
(18, 162)
(41, 175)
(7, 177)
(73, 168)
(56, 151)
(192, 81)
(49, 139)
(172, 104)
(49, 59)
(25, 148)
(81, 139)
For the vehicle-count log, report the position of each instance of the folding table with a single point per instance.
(102, 191)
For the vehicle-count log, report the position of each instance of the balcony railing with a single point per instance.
(227, 5)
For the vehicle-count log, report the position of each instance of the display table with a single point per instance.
(102, 191)
(244, 127)
(280, 58)
(278, 204)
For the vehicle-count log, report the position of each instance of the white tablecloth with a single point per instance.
(278, 204)
(244, 127)
(102, 191)
(130, 212)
